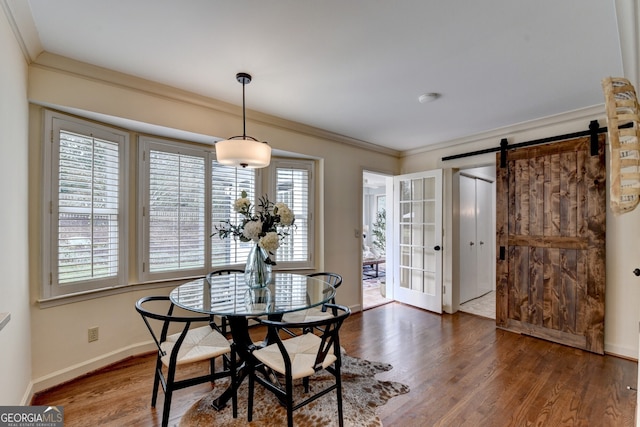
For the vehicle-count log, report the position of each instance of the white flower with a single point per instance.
(252, 230)
(266, 223)
(270, 242)
(241, 204)
(286, 215)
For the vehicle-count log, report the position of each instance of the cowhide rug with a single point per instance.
(361, 395)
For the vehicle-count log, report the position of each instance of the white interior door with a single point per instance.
(468, 247)
(484, 236)
(417, 222)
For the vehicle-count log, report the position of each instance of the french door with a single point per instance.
(417, 267)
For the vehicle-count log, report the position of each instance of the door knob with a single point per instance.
(471, 243)
(636, 271)
(481, 242)
(436, 248)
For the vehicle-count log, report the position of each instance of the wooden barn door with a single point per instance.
(550, 227)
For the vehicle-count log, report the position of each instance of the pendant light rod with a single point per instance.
(245, 79)
(244, 151)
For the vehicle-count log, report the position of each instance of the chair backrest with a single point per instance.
(327, 329)
(159, 334)
(334, 279)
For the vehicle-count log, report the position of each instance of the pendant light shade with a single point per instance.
(244, 150)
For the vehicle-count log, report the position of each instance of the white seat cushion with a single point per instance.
(309, 315)
(302, 350)
(200, 344)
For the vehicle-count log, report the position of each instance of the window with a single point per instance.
(84, 225)
(181, 193)
(173, 209)
(186, 193)
(292, 185)
(226, 185)
(176, 211)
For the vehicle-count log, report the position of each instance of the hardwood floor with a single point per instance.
(462, 371)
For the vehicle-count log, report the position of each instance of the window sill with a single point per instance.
(101, 293)
(133, 287)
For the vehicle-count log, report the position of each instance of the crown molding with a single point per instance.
(49, 61)
(511, 132)
(21, 22)
(628, 17)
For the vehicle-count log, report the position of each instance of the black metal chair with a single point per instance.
(299, 358)
(315, 313)
(189, 345)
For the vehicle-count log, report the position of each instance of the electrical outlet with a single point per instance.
(93, 334)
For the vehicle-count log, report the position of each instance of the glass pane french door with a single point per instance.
(418, 239)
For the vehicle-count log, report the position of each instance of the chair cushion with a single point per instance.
(200, 344)
(302, 350)
(309, 315)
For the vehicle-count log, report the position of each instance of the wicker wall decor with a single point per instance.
(622, 109)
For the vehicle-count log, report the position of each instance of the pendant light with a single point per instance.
(244, 150)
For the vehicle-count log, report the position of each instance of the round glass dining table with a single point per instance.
(228, 296)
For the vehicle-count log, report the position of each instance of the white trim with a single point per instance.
(55, 121)
(18, 14)
(628, 17)
(587, 114)
(74, 371)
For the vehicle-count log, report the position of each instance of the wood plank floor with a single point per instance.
(462, 371)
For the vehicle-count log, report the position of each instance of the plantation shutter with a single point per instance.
(292, 186)
(176, 211)
(227, 183)
(87, 208)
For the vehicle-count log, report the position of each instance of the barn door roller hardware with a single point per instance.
(593, 132)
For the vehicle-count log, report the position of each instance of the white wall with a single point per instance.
(15, 338)
(57, 329)
(623, 233)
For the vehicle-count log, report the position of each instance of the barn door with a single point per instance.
(550, 225)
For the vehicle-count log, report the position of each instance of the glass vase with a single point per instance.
(257, 273)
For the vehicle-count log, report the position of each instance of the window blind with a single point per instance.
(227, 183)
(292, 188)
(176, 211)
(88, 195)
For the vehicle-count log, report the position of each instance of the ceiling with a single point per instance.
(356, 67)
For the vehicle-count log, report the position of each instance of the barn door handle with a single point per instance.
(636, 271)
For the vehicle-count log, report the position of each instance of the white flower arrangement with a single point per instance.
(267, 226)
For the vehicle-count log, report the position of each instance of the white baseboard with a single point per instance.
(620, 351)
(80, 369)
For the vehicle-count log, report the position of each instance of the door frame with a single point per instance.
(389, 235)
